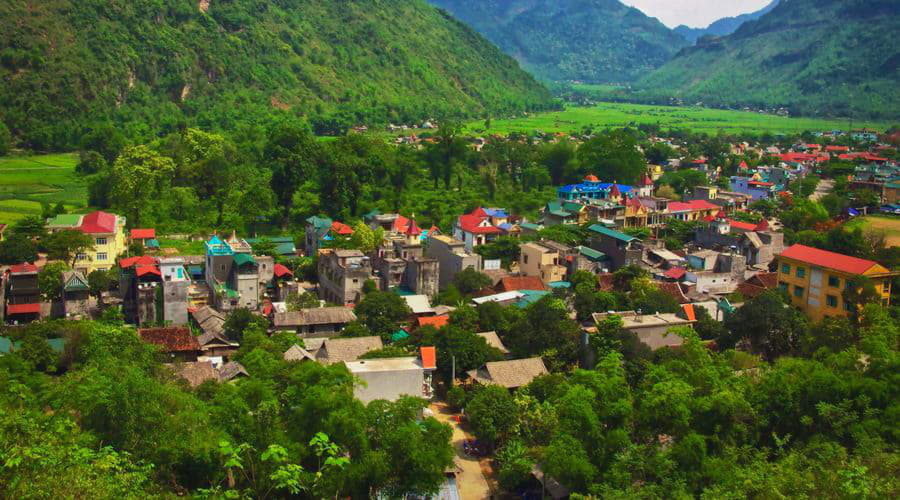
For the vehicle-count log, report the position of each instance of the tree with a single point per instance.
(469, 281)
(382, 312)
(859, 291)
(31, 227)
(302, 300)
(668, 192)
(5, 139)
(771, 326)
(67, 244)
(566, 460)
(492, 414)
(50, 280)
(560, 160)
(589, 300)
(137, 177)
(291, 154)
(365, 239)
(16, 249)
(105, 139)
(448, 150)
(614, 157)
(99, 282)
(265, 246)
(461, 349)
(240, 321)
(504, 248)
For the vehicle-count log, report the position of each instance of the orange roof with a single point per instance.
(513, 283)
(435, 321)
(143, 234)
(429, 357)
(341, 228)
(689, 313)
(828, 260)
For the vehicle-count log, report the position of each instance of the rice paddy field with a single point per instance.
(698, 119)
(27, 182)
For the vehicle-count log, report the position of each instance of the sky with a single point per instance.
(695, 13)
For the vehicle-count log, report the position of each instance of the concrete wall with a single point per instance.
(451, 258)
(175, 302)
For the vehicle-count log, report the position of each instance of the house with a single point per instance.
(23, 297)
(177, 343)
(343, 350)
(756, 242)
(284, 245)
(317, 229)
(389, 379)
(175, 284)
(400, 262)
(715, 272)
(758, 284)
(232, 273)
(342, 274)
(693, 210)
(494, 341)
(452, 258)
(503, 298)
(76, 294)
(216, 345)
(476, 228)
(557, 213)
(139, 279)
(592, 189)
(816, 279)
(318, 322)
(208, 320)
(636, 214)
(652, 330)
(520, 283)
(541, 261)
(298, 354)
(510, 374)
(145, 237)
(437, 322)
(108, 232)
(619, 248)
(419, 305)
(757, 190)
(232, 371)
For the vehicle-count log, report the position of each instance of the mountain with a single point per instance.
(724, 26)
(152, 65)
(814, 57)
(589, 40)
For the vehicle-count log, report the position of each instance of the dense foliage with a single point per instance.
(588, 40)
(152, 66)
(826, 58)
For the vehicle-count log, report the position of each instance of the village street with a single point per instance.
(471, 481)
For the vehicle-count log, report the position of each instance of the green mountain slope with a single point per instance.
(597, 41)
(151, 65)
(814, 57)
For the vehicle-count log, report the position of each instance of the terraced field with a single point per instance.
(28, 182)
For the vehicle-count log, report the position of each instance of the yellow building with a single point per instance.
(108, 231)
(542, 262)
(815, 279)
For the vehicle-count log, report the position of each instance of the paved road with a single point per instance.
(825, 186)
(471, 482)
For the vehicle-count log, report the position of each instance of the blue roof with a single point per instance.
(506, 226)
(152, 243)
(216, 246)
(495, 212)
(560, 284)
(593, 187)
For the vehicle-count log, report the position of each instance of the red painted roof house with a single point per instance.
(828, 260)
(143, 234)
(515, 283)
(98, 222)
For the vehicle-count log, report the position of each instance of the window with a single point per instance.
(798, 291)
(525, 258)
(101, 241)
(786, 269)
(783, 286)
(834, 282)
(831, 300)
(81, 256)
(801, 272)
(101, 256)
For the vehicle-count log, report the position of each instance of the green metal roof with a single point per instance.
(531, 296)
(573, 207)
(75, 284)
(560, 213)
(65, 220)
(319, 222)
(597, 228)
(399, 335)
(243, 258)
(7, 346)
(530, 226)
(592, 254)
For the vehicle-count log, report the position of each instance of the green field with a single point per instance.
(889, 225)
(28, 181)
(615, 115)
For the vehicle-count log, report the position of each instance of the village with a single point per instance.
(403, 305)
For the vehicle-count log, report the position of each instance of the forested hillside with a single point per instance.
(724, 26)
(154, 65)
(589, 40)
(814, 57)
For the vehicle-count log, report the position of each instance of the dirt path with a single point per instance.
(471, 481)
(825, 186)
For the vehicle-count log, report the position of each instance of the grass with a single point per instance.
(184, 247)
(886, 224)
(26, 182)
(698, 119)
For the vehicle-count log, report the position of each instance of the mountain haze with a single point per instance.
(151, 65)
(588, 40)
(724, 26)
(814, 57)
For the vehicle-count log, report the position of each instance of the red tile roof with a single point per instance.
(23, 268)
(98, 223)
(479, 212)
(23, 309)
(835, 149)
(435, 321)
(281, 270)
(171, 339)
(471, 224)
(763, 225)
(757, 284)
(647, 180)
(513, 283)
(692, 206)
(828, 260)
(413, 229)
(429, 357)
(143, 270)
(400, 224)
(746, 226)
(673, 289)
(760, 183)
(341, 228)
(144, 260)
(675, 273)
(143, 234)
